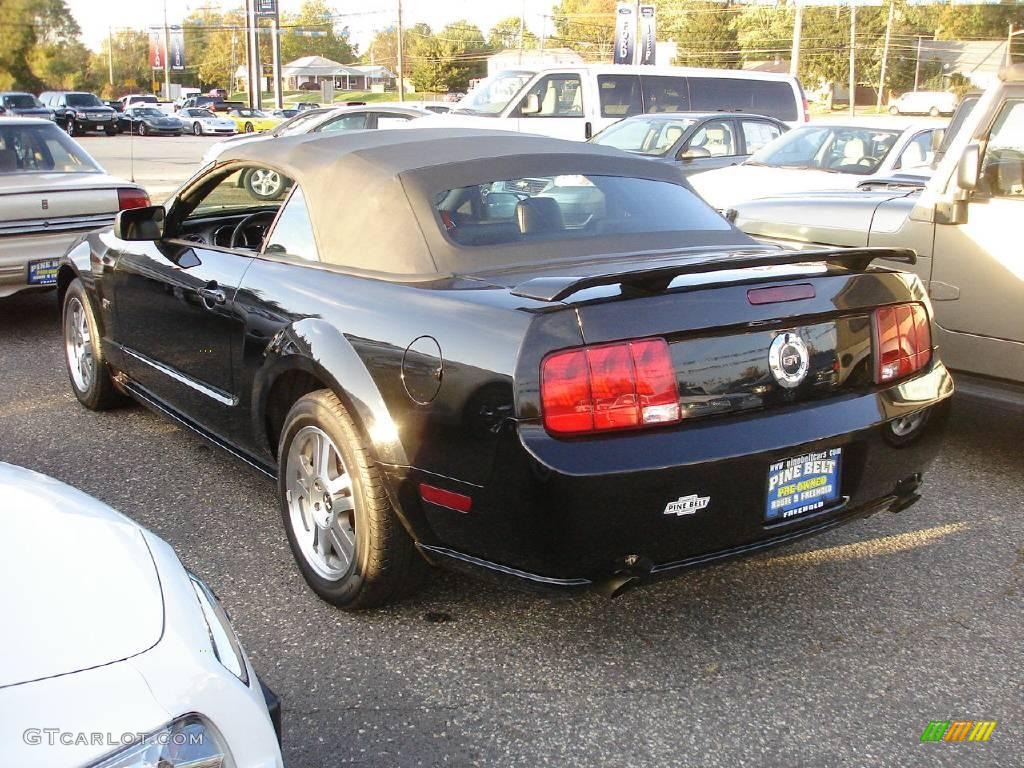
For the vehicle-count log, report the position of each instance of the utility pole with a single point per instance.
(1009, 43)
(167, 56)
(401, 59)
(798, 25)
(853, 58)
(917, 65)
(275, 58)
(885, 54)
(110, 53)
(252, 56)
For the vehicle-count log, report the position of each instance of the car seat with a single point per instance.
(539, 215)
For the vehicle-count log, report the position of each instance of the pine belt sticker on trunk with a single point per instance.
(802, 484)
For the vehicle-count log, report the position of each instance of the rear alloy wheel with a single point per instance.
(197, 129)
(264, 184)
(249, 128)
(344, 534)
(142, 129)
(87, 369)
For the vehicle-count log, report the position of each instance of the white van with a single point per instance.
(932, 103)
(578, 102)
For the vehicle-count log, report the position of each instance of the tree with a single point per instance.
(448, 60)
(39, 45)
(131, 64)
(765, 33)
(504, 35)
(313, 32)
(587, 26)
(704, 32)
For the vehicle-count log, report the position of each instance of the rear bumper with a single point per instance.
(17, 251)
(570, 513)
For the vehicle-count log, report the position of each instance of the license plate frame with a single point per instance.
(802, 484)
(42, 271)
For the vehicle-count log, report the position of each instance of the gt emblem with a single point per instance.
(46, 204)
(788, 360)
(687, 505)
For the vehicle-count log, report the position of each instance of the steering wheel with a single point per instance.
(238, 237)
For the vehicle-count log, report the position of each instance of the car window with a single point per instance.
(251, 187)
(842, 148)
(558, 95)
(569, 206)
(918, 151)
(714, 139)
(757, 133)
(644, 135)
(1002, 168)
(39, 149)
(774, 98)
(390, 120)
(293, 232)
(21, 101)
(344, 123)
(619, 95)
(665, 94)
(82, 100)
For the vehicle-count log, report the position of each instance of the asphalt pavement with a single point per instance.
(837, 651)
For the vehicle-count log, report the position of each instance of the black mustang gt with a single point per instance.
(507, 353)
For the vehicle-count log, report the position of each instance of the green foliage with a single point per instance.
(504, 35)
(448, 60)
(704, 31)
(315, 16)
(39, 46)
(587, 26)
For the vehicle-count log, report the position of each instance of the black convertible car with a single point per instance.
(511, 354)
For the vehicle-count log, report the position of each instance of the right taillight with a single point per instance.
(609, 387)
(903, 341)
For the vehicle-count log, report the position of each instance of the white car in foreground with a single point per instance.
(821, 156)
(51, 192)
(112, 654)
(203, 122)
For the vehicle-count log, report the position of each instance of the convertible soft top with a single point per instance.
(371, 194)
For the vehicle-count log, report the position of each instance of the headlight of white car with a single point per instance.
(222, 637)
(191, 741)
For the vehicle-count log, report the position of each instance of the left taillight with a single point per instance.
(903, 341)
(601, 388)
(130, 197)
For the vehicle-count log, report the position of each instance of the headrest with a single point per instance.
(539, 214)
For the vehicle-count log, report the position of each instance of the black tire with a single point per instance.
(894, 110)
(386, 565)
(69, 126)
(99, 393)
(197, 129)
(142, 129)
(934, 111)
(111, 131)
(249, 128)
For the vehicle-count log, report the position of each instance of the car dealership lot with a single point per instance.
(837, 651)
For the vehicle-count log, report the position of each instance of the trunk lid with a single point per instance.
(55, 196)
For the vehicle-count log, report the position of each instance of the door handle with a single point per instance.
(588, 130)
(213, 294)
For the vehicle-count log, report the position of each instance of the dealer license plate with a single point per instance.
(802, 484)
(43, 271)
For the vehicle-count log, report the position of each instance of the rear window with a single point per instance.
(764, 97)
(570, 206)
(41, 149)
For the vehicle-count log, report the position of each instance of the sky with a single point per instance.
(363, 18)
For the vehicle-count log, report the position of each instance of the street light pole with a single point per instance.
(401, 59)
(853, 58)
(885, 55)
(110, 54)
(917, 65)
(167, 56)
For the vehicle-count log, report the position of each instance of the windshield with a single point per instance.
(835, 148)
(570, 206)
(249, 113)
(21, 101)
(300, 123)
(644, 135)
(144, 99)
(41, 149)
(148, 112)
(493, 94)
(83, 100)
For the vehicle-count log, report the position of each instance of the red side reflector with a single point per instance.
(457, 501)
(128, 197)
(780, 293)
(903, 341)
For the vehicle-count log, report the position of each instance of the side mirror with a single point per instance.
(531, 106)
(136, 224)
(969, 168)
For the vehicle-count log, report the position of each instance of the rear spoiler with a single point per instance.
(658, 278)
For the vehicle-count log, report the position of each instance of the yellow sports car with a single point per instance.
(252, 120)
